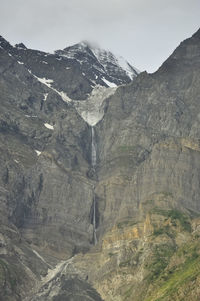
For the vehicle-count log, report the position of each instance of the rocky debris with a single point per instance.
(64, 282)
(93, 108)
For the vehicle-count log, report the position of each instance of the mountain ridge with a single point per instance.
(100, 76)
(76, 74)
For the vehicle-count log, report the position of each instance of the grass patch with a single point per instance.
(182, 218)
(175, 216)
(127, 148)
(160, 260)
(164, 230)
(178, 276)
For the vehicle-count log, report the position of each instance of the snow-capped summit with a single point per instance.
(113, 63)
(77, 73)
(100, 66)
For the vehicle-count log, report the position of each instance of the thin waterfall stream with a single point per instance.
(94, 161)
(94, 152)
(94, 221)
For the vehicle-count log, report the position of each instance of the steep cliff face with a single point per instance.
(43, 141)
(155, 144)
(99, 192)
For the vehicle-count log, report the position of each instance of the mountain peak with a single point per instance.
(89, 44)
(108, 69)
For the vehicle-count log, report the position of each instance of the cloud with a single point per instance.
(143, 31)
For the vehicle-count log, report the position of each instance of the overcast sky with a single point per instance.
(145, 32)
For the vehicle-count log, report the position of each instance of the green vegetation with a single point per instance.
(160, 260)
(164, 230)
(182, 218)
(175, 216)
(173, 279)
(127, 148)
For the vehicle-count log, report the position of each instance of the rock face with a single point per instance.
(124, 227)
(102, 67)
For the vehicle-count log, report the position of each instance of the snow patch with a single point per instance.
(39, 256)
(21, 63)
(108, 83)
(59, 268)
(130, 71)
(48, 282)
(45, 96)
(44, 62)
(48, 83)
(16, 161)
(92, 109)
(118, 62)
(45, 81)
(49, 126)
(54, 272)
(64, 96)
(72, 56)
(37, 152)
(31, 116)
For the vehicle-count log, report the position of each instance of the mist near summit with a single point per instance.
(145, 33)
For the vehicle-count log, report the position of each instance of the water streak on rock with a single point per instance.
(94, 152)
(94, 161)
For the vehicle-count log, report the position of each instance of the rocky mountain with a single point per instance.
(76, 70)
(102, 67)
(99, 185)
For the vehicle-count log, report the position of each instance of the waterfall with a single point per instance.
(94, 221)
(94, 161)
(94, 152)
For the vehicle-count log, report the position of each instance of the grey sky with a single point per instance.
(145, 32)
